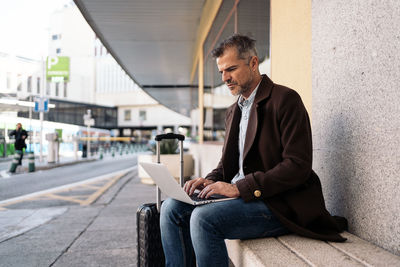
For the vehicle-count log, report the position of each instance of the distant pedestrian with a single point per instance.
(20, 136)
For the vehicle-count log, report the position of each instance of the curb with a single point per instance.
(56, 165)
(5, 159)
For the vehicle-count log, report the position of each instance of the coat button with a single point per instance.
(257, 193)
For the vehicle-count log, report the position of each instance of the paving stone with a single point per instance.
(104, 240)
(110, 257)
(21, 258)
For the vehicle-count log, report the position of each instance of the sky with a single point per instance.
(24, 26)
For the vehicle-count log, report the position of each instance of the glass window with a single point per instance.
(29, 84)
(65, 89)
(57, 88)
(56, 36)
(38, 85)
(58, 50)
(71, 112)
(19, 82)
(126, 132)
(127, 115)
(8, 80)
(142, 115)
(47, 88)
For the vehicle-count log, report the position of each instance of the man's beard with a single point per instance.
(244, 88)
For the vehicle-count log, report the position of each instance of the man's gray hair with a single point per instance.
(245, 46)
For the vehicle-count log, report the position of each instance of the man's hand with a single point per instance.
(219, 188)
(198, 183)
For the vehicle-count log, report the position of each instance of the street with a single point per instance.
(28, 183)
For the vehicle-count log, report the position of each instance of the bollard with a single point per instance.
(101, 152)
(31, 159)
(121, 151)
(127, 149)
(113, 151)
(15, 161)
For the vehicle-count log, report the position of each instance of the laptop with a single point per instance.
(168, 185)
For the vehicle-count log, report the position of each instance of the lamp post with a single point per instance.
(88, 121)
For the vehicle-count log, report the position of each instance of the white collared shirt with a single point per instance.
(245, 107)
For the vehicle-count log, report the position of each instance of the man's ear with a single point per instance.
(254, 62)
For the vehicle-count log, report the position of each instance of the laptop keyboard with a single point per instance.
(195, 197)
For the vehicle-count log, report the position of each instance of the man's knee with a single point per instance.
(174, 210)
(167, 207)
(202, 219)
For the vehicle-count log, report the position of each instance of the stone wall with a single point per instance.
(356, 114)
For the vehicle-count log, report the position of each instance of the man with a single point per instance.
(266, 163)
(20, 136)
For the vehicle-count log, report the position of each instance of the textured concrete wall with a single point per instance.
(356, 113)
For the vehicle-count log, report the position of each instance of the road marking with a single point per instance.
(69, 199)
(91, 186)
(67, 187)
(98, 193)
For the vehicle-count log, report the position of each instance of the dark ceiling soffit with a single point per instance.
(94, 27)
(174, 86)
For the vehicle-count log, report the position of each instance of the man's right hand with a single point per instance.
(198, 183)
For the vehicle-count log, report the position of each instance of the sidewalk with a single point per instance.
(103, 234)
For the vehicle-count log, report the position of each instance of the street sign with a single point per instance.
(57, 69)
(87, 118)
(41, 104)
(89, 122)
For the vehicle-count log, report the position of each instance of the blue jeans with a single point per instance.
(197, 232)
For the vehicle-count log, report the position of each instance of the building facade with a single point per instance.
(97, 79)
(20, 77)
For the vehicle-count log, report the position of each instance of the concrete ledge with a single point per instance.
(293, 250)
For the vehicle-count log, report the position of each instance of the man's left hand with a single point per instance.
(220, 188)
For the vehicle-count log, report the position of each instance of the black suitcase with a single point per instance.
(149, 247)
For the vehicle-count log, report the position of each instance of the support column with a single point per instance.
(291, 46)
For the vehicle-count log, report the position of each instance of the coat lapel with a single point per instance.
(251, 130)
(229, 120)
(232, 128)
(231, 151)
(263, 92)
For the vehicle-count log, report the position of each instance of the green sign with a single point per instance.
(57, 69)
(59, 132)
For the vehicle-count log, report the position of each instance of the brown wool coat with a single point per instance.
(278, 162)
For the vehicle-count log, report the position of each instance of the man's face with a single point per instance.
(19, 126)
(236, 73)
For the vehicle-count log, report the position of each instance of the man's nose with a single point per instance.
(225, 77)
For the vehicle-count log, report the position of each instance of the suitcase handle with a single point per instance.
(170, 136)
(158, 139)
